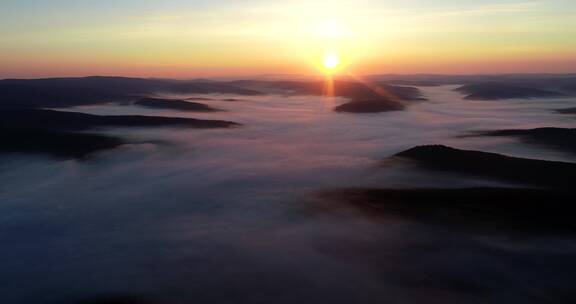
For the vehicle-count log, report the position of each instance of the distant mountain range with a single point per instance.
(65, 92)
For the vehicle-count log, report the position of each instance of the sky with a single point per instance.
(191, 38)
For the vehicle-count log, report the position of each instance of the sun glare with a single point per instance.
(331, 61)
(330, 29)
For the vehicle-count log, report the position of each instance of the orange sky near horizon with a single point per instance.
(63, 69)
(186, 39)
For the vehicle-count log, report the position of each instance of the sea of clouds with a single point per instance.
(222, 216)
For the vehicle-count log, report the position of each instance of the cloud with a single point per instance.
(224, 210)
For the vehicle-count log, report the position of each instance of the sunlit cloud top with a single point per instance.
(177, 38)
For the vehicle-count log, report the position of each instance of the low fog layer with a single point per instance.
(223, 216)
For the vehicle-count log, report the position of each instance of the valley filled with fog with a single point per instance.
(236, 215)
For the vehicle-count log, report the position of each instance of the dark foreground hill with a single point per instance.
(370, 106)
(498, 210)
(546, 208)
(561, 139)
(567, 111)
(499, 90)
(174, 104)
(60, 144)
(50, 119)
(55, 133)
(492, 165)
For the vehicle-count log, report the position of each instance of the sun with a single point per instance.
(331, 61)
